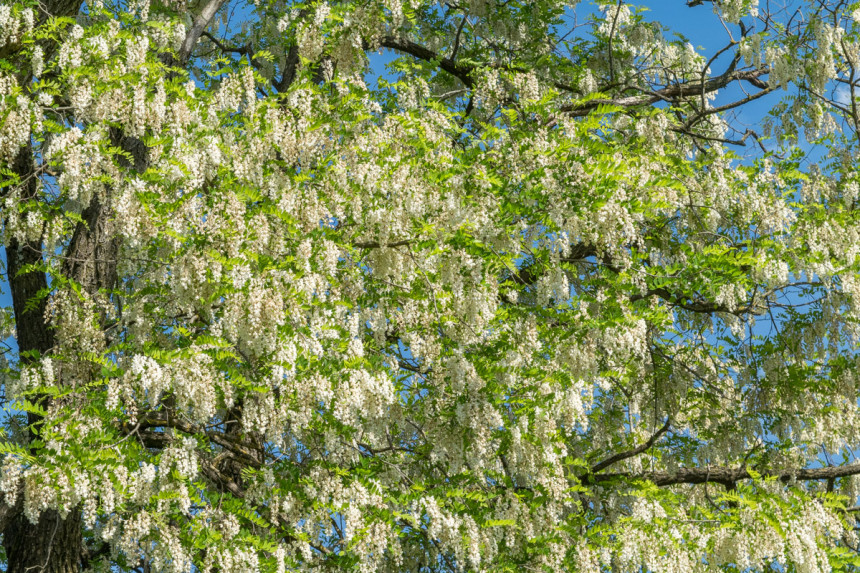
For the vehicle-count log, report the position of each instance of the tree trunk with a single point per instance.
(52, 545)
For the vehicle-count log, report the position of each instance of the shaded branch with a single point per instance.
(695, 305)
(378, 245)
(672, 92)
(242, 451)
(722, 475)
(290, 67)
(241, 50)
(457, 37)
(461, 72)
(530, 274)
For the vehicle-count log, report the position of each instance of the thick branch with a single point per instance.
(223, 482)
(241, 450)
(199, 24)
(28, 287)
(723, 475)
(694, 305)
(672, 92)
(378, 245)
(459, 71)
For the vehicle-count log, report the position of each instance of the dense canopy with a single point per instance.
(413, 286)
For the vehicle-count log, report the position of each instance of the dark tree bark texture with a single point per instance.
(52, 544)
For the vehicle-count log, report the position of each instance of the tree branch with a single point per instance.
(238, 448)
(378, 245)
(722, 475)
(457, 37)
(241, 50)
(695, 305)
(671, 92)
(630, 453)
(417, 50)
(199, 24)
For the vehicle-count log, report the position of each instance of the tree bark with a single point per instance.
(52, 544)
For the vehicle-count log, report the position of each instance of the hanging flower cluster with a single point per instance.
(500, 309)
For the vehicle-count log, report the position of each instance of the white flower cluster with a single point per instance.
(380, 327)
(734, 10)
(17, 114)
(14, 23)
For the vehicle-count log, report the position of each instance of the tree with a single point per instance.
(536, 298)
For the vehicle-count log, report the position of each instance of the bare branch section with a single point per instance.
(378, 245)
(463, 73)
(199, 25)
(723, 475)
(669, 93)
(242, 451)
(621, 456)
